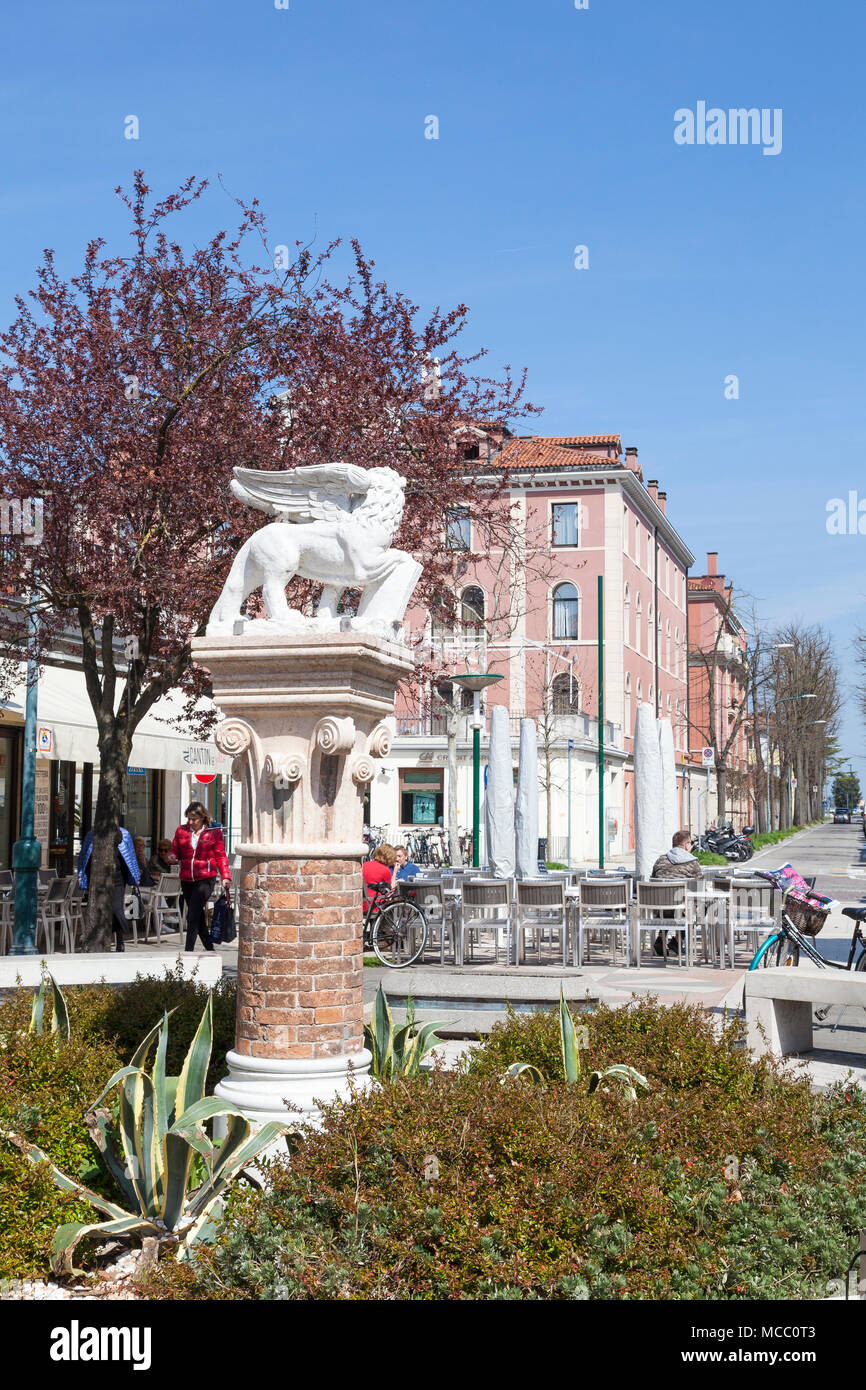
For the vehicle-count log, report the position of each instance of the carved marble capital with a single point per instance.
(333, 735)
(283, 770)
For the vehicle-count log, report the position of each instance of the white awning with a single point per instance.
(68, 728)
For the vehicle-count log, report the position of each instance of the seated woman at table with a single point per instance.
(377, 869)
(146, 878)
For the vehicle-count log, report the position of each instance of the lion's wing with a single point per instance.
(318, 492)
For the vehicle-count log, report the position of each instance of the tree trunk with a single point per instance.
(800, 816)
(98, 931)
(784, 796)
(721, 792)
(548, 795)
(453, 727)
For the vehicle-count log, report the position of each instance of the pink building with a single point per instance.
(716, 662)
(581, 512)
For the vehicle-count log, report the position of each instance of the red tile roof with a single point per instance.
(572, 441)
(536, 452)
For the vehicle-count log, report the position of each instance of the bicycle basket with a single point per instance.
(806, 917)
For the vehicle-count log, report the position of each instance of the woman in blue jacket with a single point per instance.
(126, 872)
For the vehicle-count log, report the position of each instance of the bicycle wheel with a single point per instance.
(861, 963)
(776, 950)
(400, 935)
(788, 953)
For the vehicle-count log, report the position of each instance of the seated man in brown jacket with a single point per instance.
(679, 862)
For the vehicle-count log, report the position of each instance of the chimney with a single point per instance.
(663, 502)
(712, 562)
(632, 463)
(652, 488)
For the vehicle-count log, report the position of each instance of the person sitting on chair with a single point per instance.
(678, 862)
(377, 869)
(403, 866)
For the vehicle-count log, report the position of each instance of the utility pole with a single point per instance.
(27, 851)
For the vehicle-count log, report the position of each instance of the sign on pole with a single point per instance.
(708, 757)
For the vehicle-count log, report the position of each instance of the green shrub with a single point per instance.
(726, 1180)
(44, 1092)
(125, 1015)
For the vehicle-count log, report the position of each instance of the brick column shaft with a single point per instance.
(300, 973)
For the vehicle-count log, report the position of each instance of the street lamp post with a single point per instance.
(570, 746)
(27, 851)
(476, 681)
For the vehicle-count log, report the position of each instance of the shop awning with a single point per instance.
(68, 728)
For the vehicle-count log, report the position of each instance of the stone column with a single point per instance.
(304, 721)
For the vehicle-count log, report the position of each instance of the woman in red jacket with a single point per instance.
(202, 858)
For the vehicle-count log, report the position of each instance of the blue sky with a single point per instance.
(555, 130)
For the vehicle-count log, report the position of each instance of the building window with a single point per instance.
(458, 532)
(564, 523)
(565, 617)
(626, 617)
(472, 607)
(668, 646)
(421, 796)
(650, 696)
(638, 623)
(565, 695)
(627, 712)
(639, 693)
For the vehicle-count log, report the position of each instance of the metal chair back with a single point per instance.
(485, 905)
(539, 906)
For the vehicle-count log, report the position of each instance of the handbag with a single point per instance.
(218, 920)
(230, 930)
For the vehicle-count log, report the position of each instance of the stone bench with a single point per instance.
(112, 967)
(782, 1001)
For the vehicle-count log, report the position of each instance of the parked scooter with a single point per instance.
(725, 841)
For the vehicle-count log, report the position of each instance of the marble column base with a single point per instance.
(261, 1086)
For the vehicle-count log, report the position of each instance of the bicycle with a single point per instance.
(394, 925)
(802, 918)
(374, 836)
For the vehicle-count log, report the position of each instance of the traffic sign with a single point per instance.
(708, 757)
(205, 777)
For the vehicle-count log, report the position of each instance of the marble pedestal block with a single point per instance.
(305, 720)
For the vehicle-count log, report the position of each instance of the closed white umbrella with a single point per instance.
(648, 792)
(526, 810)
(669, 780)
(499, 798)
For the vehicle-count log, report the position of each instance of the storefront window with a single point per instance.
(61, 827)
(8, 775)
(140, 804)
(421, 796)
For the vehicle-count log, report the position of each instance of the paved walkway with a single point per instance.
(836, 854)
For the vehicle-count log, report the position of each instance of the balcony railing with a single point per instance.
(583, 728)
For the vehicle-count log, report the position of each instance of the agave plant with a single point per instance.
(152, 1148)
(627, 1075)
(397, 1051)
(58, 1014)
(571, 1061)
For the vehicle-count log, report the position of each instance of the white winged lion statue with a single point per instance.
(336, 524)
